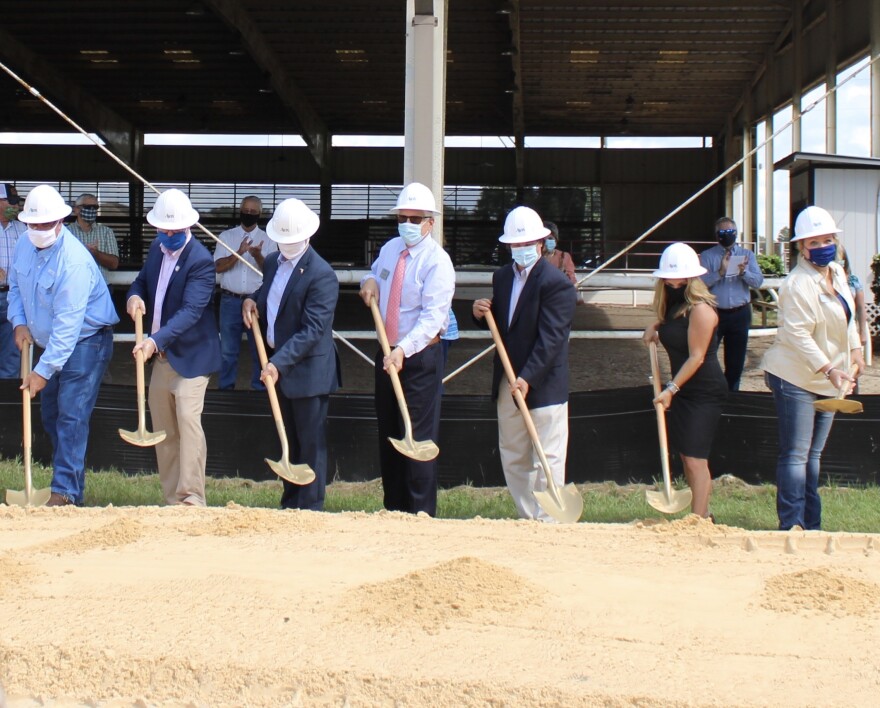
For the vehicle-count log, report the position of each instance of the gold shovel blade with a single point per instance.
(568, 509)
(142, 439)
(420, 450)
(39, 497)
(295, 474)
(678, 500)
(838, 405)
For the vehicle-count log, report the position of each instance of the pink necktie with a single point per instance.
(392, 312)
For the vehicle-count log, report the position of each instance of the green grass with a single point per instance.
(733, 503)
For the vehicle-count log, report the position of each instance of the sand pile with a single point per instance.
(239, 520)
(174, 607)
(431, 598)
(821, 590)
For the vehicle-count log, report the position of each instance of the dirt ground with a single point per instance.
(243, 607)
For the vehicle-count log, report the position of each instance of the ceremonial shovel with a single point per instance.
(295, 474)
(30, 496)
(669, 501)
(421, 450)
(840, 404)
(141, 437)
(565, 505)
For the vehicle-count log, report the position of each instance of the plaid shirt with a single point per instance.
(9, 236)
(101, 235)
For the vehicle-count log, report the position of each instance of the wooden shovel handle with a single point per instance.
(521, 402)
(661, 421)
(844, 386)
(139, 369)
(392, 372)
(26, 420)
(270, 385)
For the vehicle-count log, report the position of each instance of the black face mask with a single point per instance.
(726, 239)
(248, 220)
(674, 297)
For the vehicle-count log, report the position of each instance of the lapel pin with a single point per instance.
(176, 268)
(302, 270)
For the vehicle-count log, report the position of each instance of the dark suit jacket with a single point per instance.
(537, 337)
(188, 332)
(305, 354)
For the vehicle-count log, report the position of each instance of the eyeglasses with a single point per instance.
(401, 219)
(726, 232)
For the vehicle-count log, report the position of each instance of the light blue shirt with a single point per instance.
(60, 294)
(428, 286)
(276, 292)
(730, 290)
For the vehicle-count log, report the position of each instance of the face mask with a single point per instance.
(10, 212)
(823, 255)
(524, 256)
(248, 220)
(89, 214)
(726, 240)
(550, 243)
(292, 250)
(410, 233)
(674, 296)
(172, 241)
(42, 239)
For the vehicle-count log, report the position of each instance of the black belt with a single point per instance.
(734, 309)
(4, 288)
(232, 294)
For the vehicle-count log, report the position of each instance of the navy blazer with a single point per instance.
(537, 337)
(305, 354)
(188, 329)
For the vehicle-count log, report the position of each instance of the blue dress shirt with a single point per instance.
(730, 290)
(60, 294)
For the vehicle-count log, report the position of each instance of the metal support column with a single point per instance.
(748, 213)
(768, 190)
(425, 103)
(875, 80)
(831, 80)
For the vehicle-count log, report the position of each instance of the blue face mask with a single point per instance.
(172, 241)
(823, 255)
(550, 243)
(524, 256)
(410, 233)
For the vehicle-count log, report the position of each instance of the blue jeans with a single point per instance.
(802, 434)
(66, 406)
(10, 357)
(231, 328)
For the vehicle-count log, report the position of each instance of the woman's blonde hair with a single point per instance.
(695, 292)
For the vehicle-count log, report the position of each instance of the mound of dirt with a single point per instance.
(821, 590)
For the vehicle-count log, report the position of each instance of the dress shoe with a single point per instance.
(56, 499)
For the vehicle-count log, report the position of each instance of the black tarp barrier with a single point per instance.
(613, 437)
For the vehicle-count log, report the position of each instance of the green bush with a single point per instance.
(771, 264)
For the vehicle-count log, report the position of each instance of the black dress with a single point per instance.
(695, 410)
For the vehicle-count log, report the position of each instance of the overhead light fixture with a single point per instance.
(195, 11)
(506, 9)
(672, 56)
(578, 104)
(509, 52)
(176, 52)
(93, 52)
(152, 101)
(352, 56)
(186, 61)
(236, 52)
(104, 61)
(584, 56)
(265, 90)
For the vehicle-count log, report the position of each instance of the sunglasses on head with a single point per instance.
(726, 232)
(401, 219)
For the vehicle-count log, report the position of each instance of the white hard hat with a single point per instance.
(814, 221)
(523, 225)
(172, 211)
(292, 222)
(417, 197)
(679, 261)
(44, 205)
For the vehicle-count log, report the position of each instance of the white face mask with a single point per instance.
(410, 233)
(43, 239)
(292, 250)
(524, 256)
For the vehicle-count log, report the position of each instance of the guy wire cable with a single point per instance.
(724, 174)
(146, 183)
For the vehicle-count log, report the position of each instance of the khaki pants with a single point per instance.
(521, 464)
(176, 407)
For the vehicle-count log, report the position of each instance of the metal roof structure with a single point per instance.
(558, 67)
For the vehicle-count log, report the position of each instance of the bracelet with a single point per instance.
(828, 373)
(672, 387)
